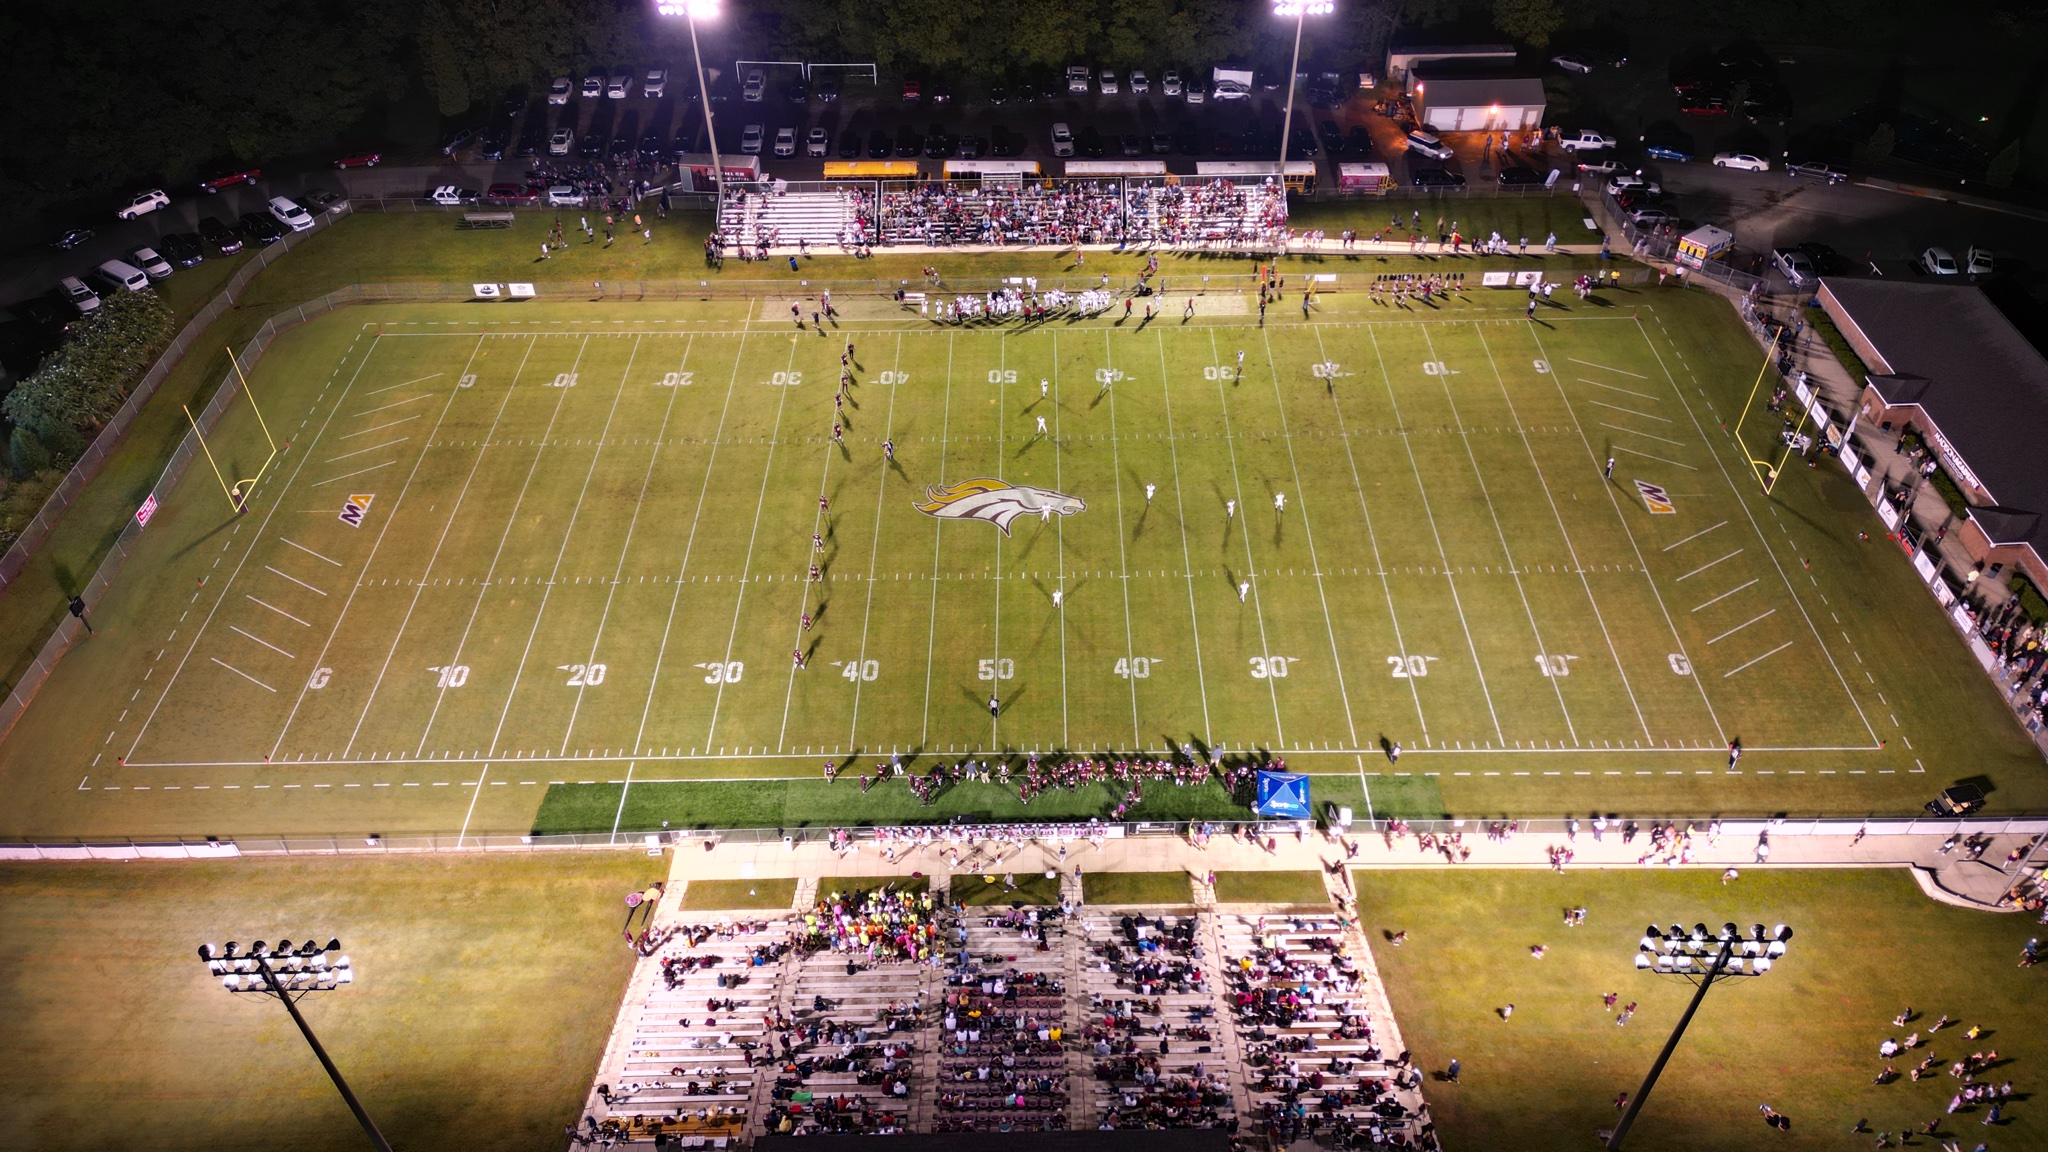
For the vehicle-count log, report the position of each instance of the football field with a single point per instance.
(618, 545)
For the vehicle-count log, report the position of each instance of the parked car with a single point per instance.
(1741, 160)
(1697, 103)
(360, 160)
(319, 200)
(1666, 152)
(1651, 218)
(120, 276)
(560, 91)
(1519, 176)
(78, 295)
(1571, 63)
(849, 145)
(880, 147)
(182, 249)
(1978, 262)
(593, 86)
(1225, 90)
(971, 147)
(1435, 178)
(750, 139)
(1062, 140)
(1162, 143)
(224, 239)
(913, 90)
(827, 90)
(564, 196)
(560, 141)
(71, 238)
(457, 140)
(1604, 166)
(1077, 79)
(1141, 84)
(1826, 261)
(785, 141)
(1796, 266)
(1586, 140)
(290, 214)
(1625, 182)
(655, 86)
(1938, 262)
(1428, 145)
(1170, 82)
(511, 195)
(143, 204)
(1090, 143)
(230, 179)
(153, 265)
(816, 142)
(1358, 142)
(450, 195)
(1105, 82)
(1817, 169)
(621, 83)
(939, 92)
(909, 142)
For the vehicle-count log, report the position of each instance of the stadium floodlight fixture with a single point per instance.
(290, 973)
(1300, 10)
(694, 11)
(1702, 956)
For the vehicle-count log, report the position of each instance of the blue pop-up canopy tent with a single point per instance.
(1283, 795)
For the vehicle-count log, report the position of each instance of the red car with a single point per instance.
(1696, 104)
(912, 90)
(249, 176)
(360, 160)
(511, 195)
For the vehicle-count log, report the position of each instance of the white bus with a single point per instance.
(1011, 170)
(1097, 168)
(1301, 174)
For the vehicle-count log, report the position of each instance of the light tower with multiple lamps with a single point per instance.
(288, 974)
(692, 11)
(1703, 958)
(1301, 10)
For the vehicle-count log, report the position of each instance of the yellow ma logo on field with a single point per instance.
(355, 508)
(1656, 498)
(995, 501)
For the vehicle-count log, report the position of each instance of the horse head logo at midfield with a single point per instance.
(996, 501)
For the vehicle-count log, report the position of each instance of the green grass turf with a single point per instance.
(734, 895)
(1803, 1038)
(1270, 888)
(1136, 888)
(484, 992)
(651, 526)
(1032, 888)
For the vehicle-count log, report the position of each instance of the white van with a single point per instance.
(124, 274)
(77, 295)
(289, 214)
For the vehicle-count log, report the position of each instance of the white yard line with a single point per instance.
(1645, 435)
(1059, 535)
(1123, 563)
(232, 576)
(1642, 565)
(1758, 660)
(262, 641)
(682, 569)
(1251, 566)
(1695, 536)
(1372, 538)
(388, 407)
(1658, 459)
(352, 475)
(1308, 532)
(1605, 368)
(1707, 565)
(279, 611)
(931, 634)
(378, 428)
(1623, 391)
(504, 534)
(874, 550)
(632, 523)
(1180, 511)
(1501, 536)
(295, 580)
(421, 380)
(1631, 411)
(1570, 548)
(1732, 591)
(308, 551)
(1450, 582)
(995, 718)
(367, 451)
(1765, 614)
(747, 566)
(1826, 652)
(242, 674)
(561, 550)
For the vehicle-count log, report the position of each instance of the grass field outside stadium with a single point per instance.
(582, 565)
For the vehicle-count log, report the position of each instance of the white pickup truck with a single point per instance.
(1586, 140)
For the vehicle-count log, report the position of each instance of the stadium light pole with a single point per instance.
(1301, 10)
(289, 973)
(692, 11)
(1703, 958)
